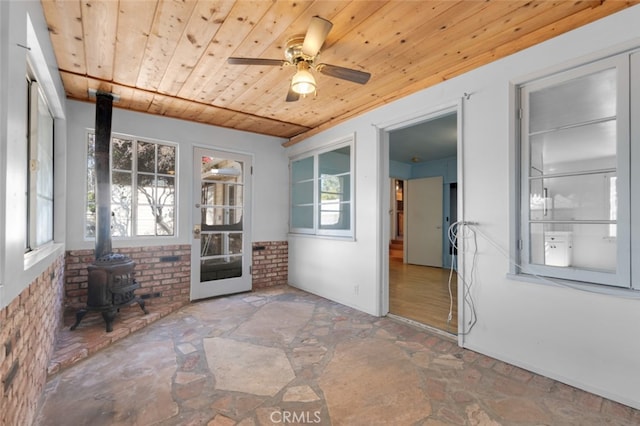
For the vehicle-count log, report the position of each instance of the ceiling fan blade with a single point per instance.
(316, 35)
(256, 61)
(355, 76)
(292, 96)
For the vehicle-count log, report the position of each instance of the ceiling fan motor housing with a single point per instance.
(293, 52)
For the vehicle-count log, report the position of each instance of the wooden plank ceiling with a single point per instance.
(169, 57)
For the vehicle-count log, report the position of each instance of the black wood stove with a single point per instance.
(111, 286)
(111, 282)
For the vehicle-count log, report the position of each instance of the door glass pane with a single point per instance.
(220, 268)
(221, 170)
(235, 243)
(579, 100)
(220, 194)
(221, 218)
(220, 243)
(221, 207)
(211, 245)
(584, 246)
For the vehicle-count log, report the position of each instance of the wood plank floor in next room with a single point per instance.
(281, 356)
(421, 293)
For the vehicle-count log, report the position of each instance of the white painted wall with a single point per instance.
(584, 339)
(270, 165)
(17, 270)
(344, 269)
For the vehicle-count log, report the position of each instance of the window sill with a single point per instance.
(626, 293)
(33, 258)
(323, 237)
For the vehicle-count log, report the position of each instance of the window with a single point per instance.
(143, 188)
(575, 176)
(40, 170)
(321, 188)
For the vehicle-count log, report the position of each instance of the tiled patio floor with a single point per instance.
(282, 356)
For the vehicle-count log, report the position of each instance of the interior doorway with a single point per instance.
(422, 286)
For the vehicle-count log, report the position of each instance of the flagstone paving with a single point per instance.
(282, 356)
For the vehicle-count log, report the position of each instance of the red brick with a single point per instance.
(30, 322)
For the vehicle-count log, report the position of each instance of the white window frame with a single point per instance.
(134, 196)
(40, 160)
(628, 137)
(316, 183)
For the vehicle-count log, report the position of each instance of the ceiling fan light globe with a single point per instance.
(303, 82)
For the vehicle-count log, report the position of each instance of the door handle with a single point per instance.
(196, 232)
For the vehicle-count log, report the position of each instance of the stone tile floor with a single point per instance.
(282, 356)
(90, 336)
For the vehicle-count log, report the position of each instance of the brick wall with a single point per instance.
(270, 263)
(163, 272)
(28, 327)
(163, 278)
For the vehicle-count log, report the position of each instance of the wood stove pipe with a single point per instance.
(104, 106)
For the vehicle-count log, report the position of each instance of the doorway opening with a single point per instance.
(423, 189)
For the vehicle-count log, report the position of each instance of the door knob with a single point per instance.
(196, 232)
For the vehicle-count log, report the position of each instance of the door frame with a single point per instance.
(229, 287)
(384, 219)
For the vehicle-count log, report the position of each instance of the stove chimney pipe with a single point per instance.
(104, 106)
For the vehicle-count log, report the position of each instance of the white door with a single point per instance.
(221, 247)
(423, 236)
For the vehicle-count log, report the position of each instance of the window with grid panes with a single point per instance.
(577, 142)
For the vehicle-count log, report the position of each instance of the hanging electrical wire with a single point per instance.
(453, 231)
(464, 230)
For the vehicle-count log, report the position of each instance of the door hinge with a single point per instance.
(250, 270)
(520, 113)
(251, 170)
(519, 244)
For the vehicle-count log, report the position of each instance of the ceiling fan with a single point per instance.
(302, 52)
